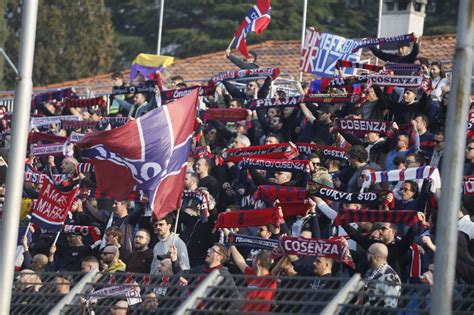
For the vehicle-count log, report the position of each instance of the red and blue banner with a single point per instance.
(148, 154)
(256, 20)
(52, 206)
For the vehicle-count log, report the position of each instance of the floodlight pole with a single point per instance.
(453, 163)
(160, 27)
(16, 169)
(303, 31)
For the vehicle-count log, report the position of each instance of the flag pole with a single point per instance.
(379, 26)
(56, 238)
(160, 27)
(15, 174)
(231, 42)
(303, 31)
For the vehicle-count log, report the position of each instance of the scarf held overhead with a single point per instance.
(251, 242)
(270, 193)
(316, 189)
(85, 103)
(349, 64)
(399, 39)
(327, 152)
(248, 218)
(273, 72)
(407, 217)
(285, 150)
(170, 95)
(362, 126)
(225, 114)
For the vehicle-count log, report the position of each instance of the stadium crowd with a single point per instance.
(326, 193)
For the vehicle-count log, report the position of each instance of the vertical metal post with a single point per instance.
(453, 158)
(303, 31)
(379, 26)
(14, 184)
(160, 27)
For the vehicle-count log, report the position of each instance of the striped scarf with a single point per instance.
(270, 193)
(412, 173)
(403, 68)
(84, 103)
(248, 218)
(34, 137)
(201, 197)
(294, 208)
(84, 168)
(52, 95)
(170, 95)
(238, 74)
(274, 165)
(96, 125)
(37, 178)
(349, 64)
(407, 217)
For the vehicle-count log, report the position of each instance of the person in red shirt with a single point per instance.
(260, 288)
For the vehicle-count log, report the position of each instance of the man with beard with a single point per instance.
(110, 261)
(140, 259)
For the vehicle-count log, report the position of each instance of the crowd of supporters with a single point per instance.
(388, 253)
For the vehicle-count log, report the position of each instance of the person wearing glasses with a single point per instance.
(437, 156)
(110, 261)
(383, 285)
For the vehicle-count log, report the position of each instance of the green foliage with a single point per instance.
(74, 39)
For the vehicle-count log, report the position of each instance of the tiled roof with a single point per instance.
(278, 54)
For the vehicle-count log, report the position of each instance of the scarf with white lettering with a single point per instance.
(340, 98)
(201, 197)
(326, 152)
(83, 230)
(412, 173)
(399, 39)
(285, 150)
(238, 74)
(96, 125)
(36, 122)
(133, 90)
(52, 95)
(322, 191)
(314, 247)
(468, 187)
(362, 126)
(349, 64)
(37, 178)
(298, 208)
(270, 193)
(403, 68)
(274, 165)
(85, 102)
(407, 217)
(170, 95)
(396, 80)
(248, 218)
(225, 114)
(48, 149)
(241, 240)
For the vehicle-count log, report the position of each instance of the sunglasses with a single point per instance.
(438, 141)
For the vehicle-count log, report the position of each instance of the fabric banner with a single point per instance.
(294, 208)
(147, 64)
(240, 240)
(270, 193)
(285, 150)
(248, 218)
(362, 126)
(37, 178)
(170, 95)
(201, 197)
(326, 152)
(85, 103)
(316, 189)
(396, 80)
(36, 122)
(148, 154)
(52, 206)
(349, 64)
(321, 51)
(225, 114)
(129, 291)
(83, 230)
(399, 39)
(133, 90)
(48, 149)
(411, 173)
(407, 217)
(238, 74)
(274, 165)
